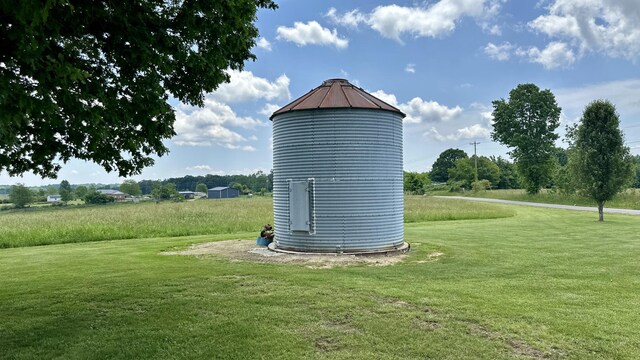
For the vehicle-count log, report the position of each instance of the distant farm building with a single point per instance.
(118, 195)
(54, 198)
(187, 194)
(223, 192)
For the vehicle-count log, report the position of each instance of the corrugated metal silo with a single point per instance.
(337, 172)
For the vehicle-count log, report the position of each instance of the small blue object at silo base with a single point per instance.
(260, 241)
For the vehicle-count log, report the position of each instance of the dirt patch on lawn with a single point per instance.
(247, 250)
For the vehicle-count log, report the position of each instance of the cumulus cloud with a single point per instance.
(311, 33)
(202, 168)
(555, 55)
(392, 21)
(410, 68)
(476, 131)
(217, 124)
(209, 125)
(269, 109)
(498, 52)
(349, 19)
(611, 27)
(419, 111)
(244, 86)
(264, 44)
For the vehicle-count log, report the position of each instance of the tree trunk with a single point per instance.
(600, 210)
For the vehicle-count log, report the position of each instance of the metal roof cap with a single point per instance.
(336, 94)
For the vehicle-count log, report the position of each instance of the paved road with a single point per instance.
(555, 206)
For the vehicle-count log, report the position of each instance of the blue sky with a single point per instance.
(441, 62)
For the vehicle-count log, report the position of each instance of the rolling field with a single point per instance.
(202, 217)
(509, 282)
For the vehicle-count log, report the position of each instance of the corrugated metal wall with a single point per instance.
(351, 160)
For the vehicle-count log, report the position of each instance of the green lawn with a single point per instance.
(629, 199)
(541, 284)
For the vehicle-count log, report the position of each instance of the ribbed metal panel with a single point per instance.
(354, 158)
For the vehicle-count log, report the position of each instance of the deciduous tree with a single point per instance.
(130, 187)
(464, 171)
(201, 188)
(20, 196)
(601, 164)
(81, 191)
(444, 162)
(415, 182)
(526, 124)
(92, 79)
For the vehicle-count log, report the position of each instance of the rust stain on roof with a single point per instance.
(336, 94)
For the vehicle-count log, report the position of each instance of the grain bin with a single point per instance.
(337, 172)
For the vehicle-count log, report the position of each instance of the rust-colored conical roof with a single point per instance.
(335, 94)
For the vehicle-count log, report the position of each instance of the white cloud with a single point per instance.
(208, 126)
(388, 98)
(349, 19)
(269, 109)
(244, 86)
(216, 123)
(555, 55)
(264, 44)
(410, 68)
(419, 111)
(201, 168)
(434, 20)
(311, 33)
(611, 27)
(498, 52)
(476, 131)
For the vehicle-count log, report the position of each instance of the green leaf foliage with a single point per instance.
(95, 197)
(130, 187)
(464, 171)
(65, 195)
(415, 182)
(20, 196)
(92, 79)
(446, 160)
(602, 165)
(81, 191)
(526, 123)
(508, 173)
(202, 188)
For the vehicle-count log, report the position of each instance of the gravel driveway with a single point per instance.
(555, 206)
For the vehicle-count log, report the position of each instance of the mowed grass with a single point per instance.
(628, 199)
(543, 283)
(201, 217)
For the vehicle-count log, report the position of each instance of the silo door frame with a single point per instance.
(302, 205)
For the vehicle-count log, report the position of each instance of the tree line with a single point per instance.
(595, 164)
(168, 189)
(252, 183)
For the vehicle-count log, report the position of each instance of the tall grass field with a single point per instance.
(487, 282)
(201, 217)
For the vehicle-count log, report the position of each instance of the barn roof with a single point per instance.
(219, 188)
(335, 94)
(111, 192)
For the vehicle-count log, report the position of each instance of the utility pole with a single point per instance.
(475, 157)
